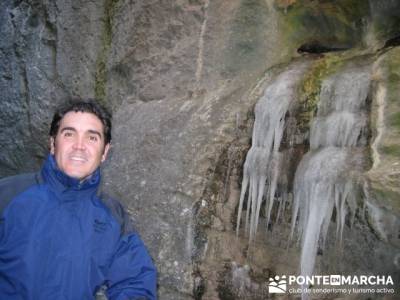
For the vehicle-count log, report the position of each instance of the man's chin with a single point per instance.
(76, 174)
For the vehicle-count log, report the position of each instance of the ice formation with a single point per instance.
(320, 185)
(261, 168)
(326, 176)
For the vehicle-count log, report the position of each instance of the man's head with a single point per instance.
(80, 136)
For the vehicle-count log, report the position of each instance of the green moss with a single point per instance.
(393, 150)
(310, 89)
(392, 64)
(310, 86)
(394, 120)
(101, 61)
(386, 19)
(387, 195)
(337, 24)
(392, 68)
(393, 79)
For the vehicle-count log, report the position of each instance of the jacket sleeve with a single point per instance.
(132, 274)
(14, 185)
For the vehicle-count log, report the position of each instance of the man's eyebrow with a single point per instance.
(67, 128)
(92, 131)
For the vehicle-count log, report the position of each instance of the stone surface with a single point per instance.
(182, 78)
(384, 175)
(48, 53)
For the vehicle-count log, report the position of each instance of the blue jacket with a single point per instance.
(60, 240)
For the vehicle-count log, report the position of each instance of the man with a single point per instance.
(59, 238)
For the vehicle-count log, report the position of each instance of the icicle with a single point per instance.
(338, 129)
(261, 168)
(324, 179)
(346, 91)
(274, 172)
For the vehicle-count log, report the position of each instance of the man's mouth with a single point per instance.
(78, 158)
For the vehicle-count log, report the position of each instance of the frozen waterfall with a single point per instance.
(320, 185)
(326, 176)
(261, 168)
(341, 119)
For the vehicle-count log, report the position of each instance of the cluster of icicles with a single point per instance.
(324, 178)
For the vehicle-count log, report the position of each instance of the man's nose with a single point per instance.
(79, 143)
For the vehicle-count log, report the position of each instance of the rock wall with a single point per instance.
(182, 78)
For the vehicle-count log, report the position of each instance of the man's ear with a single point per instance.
(52, 145)
(105, 152)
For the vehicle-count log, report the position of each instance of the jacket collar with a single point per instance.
(60, 181)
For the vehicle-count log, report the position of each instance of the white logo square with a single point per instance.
(335, 280)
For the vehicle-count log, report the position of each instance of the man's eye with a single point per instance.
(67, 134)
(93, 138)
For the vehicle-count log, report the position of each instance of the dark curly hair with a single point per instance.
(83, 105)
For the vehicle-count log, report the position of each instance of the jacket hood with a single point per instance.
(60, 181)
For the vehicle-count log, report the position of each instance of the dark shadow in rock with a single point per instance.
(393, 42)
(318, 48)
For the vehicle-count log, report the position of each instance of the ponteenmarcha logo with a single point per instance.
(341, 280)
(350, 284)
(277, 285)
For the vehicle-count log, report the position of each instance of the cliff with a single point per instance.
(182, 79)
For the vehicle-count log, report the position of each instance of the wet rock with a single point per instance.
(181, 78)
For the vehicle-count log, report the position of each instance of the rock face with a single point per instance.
(182, 79)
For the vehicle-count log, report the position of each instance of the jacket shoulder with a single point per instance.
(12, 186)
(118, 212)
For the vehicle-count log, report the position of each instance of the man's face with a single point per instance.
(79, 146)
